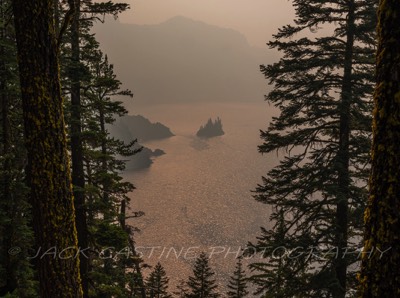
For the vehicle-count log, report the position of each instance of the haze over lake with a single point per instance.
(198, 195)
(184, 61)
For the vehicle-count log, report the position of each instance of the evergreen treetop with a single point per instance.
(202, 284)
(322, 86)
(238, 282)
(157, 283)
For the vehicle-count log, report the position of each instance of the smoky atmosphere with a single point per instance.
(199, 149)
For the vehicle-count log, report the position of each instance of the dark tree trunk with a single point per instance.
(343, 159)
(105, 183)
(48, 170)
(380, 274)
(5, 196)
(78, 174)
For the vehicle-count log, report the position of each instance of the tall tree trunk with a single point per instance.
(107, 216)
(10, 283)
(343, 159)
(48, 170)
(104, 165)
(78, 174)
(380, 273)
(57, 15)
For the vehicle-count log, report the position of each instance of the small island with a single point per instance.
(144, 158)
(211, 129)
(130, 127)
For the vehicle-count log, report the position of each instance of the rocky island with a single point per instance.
(138, 127)
(144, 158)
(132, 127)
(211, 129)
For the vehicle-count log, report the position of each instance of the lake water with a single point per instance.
(197, 197)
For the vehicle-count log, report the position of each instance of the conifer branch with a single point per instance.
(66, 22)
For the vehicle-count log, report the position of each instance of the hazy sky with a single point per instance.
(256, 19)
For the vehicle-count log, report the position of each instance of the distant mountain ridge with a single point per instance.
(182, 60)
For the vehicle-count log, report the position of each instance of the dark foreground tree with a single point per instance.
(202, 284)
(106, 191)
(322, 86)
(157, 283)
(380, 275)
(238, 283)
(101, 201)
(48, 171)
(75, 133)
(181, 289)
(16, 271)
(85, 13)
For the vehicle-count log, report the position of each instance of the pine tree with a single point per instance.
(238, 283)
(85, 13)
(182, 289)
(102, 201)
(380, 275)
(122, 272)
(274, 281)
(48, 173)
(202, 284)
(104, 160)
(16, 236)
(75, 133)
(322, 86)
(157, 283)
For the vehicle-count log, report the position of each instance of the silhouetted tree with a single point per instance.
(202, 284)
(75, 133)
(182, 289)
(16, 236)
(157, 283)
(322, 86)
(85, 13)
(380, 275)
(97, 159)
(48, 172)
(238, 282)
(274, 282)
(107, 192)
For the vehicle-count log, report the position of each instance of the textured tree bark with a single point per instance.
(48, 165)
(5, 196)
(380, 273)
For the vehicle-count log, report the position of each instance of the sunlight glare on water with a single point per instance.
(197, 197)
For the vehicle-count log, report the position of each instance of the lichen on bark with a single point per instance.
(48, 167)
(380, 276)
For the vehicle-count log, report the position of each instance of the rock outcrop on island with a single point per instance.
(211, 129)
